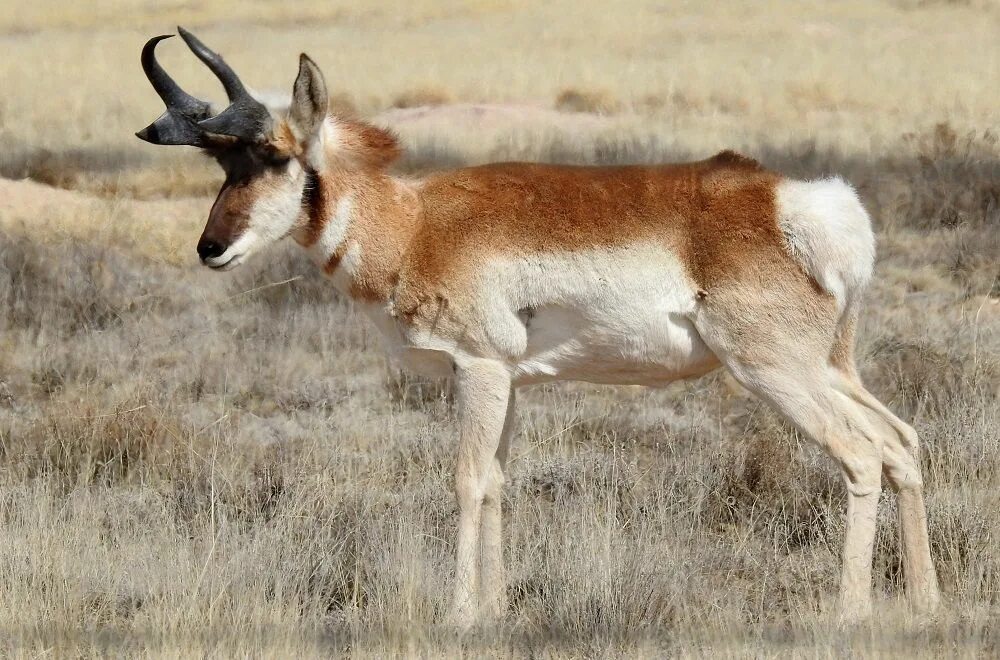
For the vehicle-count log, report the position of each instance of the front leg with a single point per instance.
(492, 588)
(483, 388)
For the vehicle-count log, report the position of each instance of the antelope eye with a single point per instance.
(271, 157)
(277, 161)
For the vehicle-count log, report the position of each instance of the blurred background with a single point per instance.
(685, 76)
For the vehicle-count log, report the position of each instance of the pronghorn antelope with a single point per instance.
(514, 273)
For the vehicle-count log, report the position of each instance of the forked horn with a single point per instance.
(246, 118)
(230, 81)
(188, 120)
(178, 125)
(173, 96)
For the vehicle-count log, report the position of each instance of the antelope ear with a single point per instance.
(310, 104)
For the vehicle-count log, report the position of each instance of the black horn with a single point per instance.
(230, 81)
(246, 118)
(178, 125)
(173, 96)
(188, 120)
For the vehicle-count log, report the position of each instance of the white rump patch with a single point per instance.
(829, 232)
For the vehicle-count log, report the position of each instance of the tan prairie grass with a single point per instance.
(594, 101)
(226, 465)
(204, 465)
(850, 75)
(853, 75)
(421, 97)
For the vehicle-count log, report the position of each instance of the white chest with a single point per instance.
(432, 357)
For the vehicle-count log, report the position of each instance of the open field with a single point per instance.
(202, 464)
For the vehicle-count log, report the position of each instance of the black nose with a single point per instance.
(209, 249)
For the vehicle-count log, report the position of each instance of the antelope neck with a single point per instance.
(357, 227)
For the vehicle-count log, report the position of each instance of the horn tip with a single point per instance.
(150, 134)
(151, 43)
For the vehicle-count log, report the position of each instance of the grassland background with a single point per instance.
(195, 464)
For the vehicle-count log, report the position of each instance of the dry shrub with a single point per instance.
(956, 181)
(917, 371)
(597, 102)
(85, 446)
(72, 287)
(688, 101)
(67, 168)
(782, 487)
(926, 375)
(422, 97)
(416, 392)
(551, 479)
(651, 104)
(729, 103)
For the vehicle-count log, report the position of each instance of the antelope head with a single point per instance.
(268, 158)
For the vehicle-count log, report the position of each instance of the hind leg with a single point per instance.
(776, 343)
(901, 466)
(803, 395)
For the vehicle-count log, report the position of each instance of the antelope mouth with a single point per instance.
(224, 263)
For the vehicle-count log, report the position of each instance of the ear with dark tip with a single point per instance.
(310, 101)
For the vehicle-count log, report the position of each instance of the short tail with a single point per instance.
(829, 233)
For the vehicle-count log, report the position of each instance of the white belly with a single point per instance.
(651, 346)
(610, 316)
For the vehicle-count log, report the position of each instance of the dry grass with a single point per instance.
(593, 101)
(224, 465)
(422, 97)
